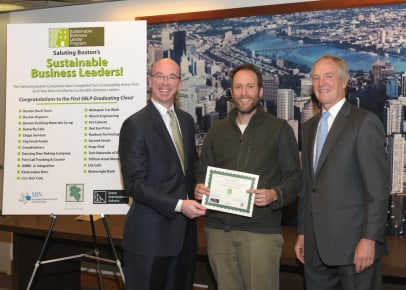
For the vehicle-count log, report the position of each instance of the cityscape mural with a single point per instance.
(284, 46)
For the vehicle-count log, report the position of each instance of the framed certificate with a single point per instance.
(228, 191)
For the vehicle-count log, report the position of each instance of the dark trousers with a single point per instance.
(161, 273)
(319, 276)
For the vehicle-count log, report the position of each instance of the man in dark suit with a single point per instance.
(343, 203)
(159, 237)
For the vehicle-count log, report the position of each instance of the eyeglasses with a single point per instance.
(162, 77)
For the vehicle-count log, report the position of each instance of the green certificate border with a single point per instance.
(247, 211)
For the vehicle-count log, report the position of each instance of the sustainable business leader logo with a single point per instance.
(76, 37)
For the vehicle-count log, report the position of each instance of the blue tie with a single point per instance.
(321, 137)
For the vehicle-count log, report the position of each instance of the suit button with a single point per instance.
(313, 190)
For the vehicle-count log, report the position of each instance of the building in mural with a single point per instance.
(371, 39)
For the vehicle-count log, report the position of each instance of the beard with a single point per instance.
(247, 110)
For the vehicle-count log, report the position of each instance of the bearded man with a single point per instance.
(244, 252)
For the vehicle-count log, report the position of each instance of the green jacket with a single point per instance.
(267, 148)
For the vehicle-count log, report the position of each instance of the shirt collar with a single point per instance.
(336, 108)
(161, 109)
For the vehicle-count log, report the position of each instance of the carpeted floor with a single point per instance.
(288, 281)
(292, 280)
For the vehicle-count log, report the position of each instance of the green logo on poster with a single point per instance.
(76, 37)
(74, 192)
(59, 37)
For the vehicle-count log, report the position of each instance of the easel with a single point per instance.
(88, 255)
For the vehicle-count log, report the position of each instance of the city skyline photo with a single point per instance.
(371, 39)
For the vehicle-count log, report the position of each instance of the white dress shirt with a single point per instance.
(167, 120)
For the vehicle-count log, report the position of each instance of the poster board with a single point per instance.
(70, 86)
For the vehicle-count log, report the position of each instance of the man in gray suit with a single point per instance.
(343, 203)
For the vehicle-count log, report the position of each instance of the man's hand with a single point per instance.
(299, 248)
(192, 209)
(263, 196)
(200, 190)
(364, 255)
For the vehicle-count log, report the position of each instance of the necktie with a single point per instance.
(321, 137)
(177, 137)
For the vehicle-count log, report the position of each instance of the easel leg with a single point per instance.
(43, 250)
(96, 252)
(40, 260)
(118, 263)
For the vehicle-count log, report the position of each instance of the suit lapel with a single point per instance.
(341, 121)
(158, 122)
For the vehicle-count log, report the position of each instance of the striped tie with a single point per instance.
(177, 138)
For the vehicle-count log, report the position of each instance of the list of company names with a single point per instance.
(40, 130)
(99, 135)
(35, 158)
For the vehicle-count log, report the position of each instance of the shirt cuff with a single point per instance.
(178, 207)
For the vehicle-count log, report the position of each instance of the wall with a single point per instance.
(5, 238)
(128, 9)
(116, 11)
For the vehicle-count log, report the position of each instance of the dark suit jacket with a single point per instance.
(153, 176)
(346, 199)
